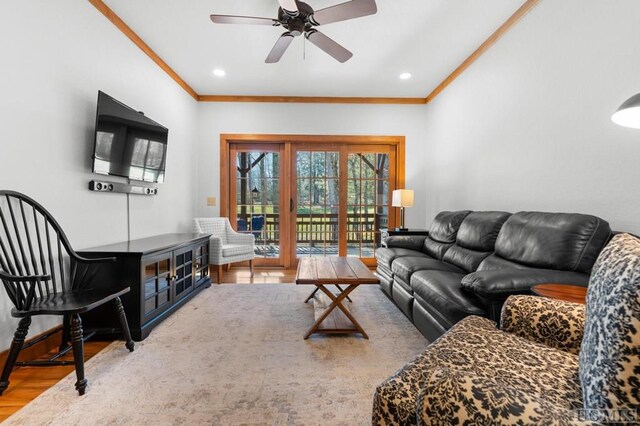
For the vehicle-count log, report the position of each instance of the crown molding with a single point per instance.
(312, 99)
(135, 38)
(486, 45)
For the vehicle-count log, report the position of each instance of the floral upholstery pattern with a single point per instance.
(551, 322)
(477, 359)
(458, 397)
(610, 354)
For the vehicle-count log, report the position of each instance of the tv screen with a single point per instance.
(127, 143)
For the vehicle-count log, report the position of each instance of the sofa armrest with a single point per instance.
(462, 397)
(215, 251)
(411, 242)
(240, 238)
(501, 283)
(553, 323)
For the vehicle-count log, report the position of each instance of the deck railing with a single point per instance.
(322, 227)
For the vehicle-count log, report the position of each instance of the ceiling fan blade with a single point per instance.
(332, 48)
(344, 11)
(279, 48)
(251, 20)
(289, 6)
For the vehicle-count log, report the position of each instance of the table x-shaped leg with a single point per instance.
(313, 293)
(336, 302)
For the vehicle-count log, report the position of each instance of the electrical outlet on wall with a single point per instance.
(211, 201)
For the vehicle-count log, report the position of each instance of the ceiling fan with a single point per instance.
(299, 18)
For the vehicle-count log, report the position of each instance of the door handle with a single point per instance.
(290, 204)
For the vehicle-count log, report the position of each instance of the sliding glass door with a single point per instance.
(258, 199)
(341, 200)
(368, 175)
(311, 198)
(317, 203)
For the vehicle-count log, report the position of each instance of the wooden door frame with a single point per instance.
(226, 139)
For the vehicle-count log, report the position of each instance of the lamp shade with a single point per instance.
(628, 115)
(402, 198)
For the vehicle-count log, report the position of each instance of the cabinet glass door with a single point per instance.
(157, 286)
(201, 268)
(184, 272)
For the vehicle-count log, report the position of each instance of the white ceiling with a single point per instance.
(428, 38)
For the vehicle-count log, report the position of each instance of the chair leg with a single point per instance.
(251, 266)
(124, 324)
(78, 352)
(14, 351)
(219, 267)
(64, 341)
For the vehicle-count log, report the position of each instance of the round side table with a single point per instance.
(565, 292)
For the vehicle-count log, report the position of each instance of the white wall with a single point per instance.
(314, 119)
(527, 127)
(56, 55)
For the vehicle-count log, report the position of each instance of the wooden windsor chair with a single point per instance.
(43, 275)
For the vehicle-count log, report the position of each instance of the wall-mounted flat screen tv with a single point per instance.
(127, 143)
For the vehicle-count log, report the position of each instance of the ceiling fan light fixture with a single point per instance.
(298, 18)
(405, 76)
(219, 72)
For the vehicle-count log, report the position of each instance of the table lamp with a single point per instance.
(402, 198)
(628, 115)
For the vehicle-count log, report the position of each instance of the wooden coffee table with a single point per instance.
(325, 271)
(565, 292)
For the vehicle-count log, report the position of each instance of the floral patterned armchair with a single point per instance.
(550, 362)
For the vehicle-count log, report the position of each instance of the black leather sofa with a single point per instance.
(470, 262)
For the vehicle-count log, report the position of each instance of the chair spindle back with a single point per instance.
(33, 244)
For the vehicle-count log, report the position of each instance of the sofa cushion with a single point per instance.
(386, 256)
(399, 282)
(474, 346)
(229, 250)
(555, 323)
(610, 352)
(465, 259)
(565, 241)
(406, 266)
(495, 263)
(442, 232)
(386, 280)
(403, 298)
(443, 292)
(453, 397)
(479, 230)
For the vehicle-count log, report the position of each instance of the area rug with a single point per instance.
(234, 355)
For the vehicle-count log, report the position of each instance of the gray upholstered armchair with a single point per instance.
(226, 246)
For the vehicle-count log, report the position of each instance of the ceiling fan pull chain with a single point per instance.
(304, 48)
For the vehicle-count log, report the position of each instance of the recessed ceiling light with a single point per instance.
(219, 73)
(405, 76)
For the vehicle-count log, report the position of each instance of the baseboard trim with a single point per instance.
(39, 349)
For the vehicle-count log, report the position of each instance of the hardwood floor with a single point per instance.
(29, 382)
(241, 275)
(26, 383)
